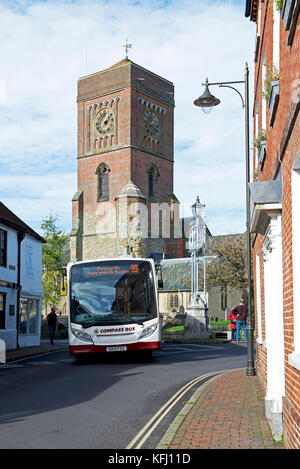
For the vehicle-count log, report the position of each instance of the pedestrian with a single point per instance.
(232, 319)
(52, 322)
(241, 312)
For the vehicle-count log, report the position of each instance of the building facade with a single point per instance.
(21, 289)
(125, 165)
(275, 198)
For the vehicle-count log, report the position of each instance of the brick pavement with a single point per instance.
(225, 413)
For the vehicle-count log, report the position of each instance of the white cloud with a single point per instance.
(183, 41)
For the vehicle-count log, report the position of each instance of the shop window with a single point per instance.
(28, 316)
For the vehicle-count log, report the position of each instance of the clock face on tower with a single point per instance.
(151, 124)
(105, 121)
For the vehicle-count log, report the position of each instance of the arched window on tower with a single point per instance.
(152, 182)
(102, 173)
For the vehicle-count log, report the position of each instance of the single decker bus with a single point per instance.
(113, 306)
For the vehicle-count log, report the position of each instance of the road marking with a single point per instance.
(40, 363)
(163, 411)
(7, 367)
(179, 351)
(197, 346)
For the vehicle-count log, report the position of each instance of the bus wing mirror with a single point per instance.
(160, 284)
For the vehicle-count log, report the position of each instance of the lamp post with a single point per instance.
(207, 101)
(196, 241)
(196, 323)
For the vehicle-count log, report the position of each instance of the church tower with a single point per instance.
(125, 164)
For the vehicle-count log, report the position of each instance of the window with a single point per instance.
(171, 301)
(2, 310)
(176, 301)
(264, 103)
(102, 173)
(152, 182)
(224, 297)
(3, 248)
(276, 36)
(28, 316)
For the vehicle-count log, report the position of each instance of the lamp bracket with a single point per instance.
(225, 84)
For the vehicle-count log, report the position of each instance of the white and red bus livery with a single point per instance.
(113, 306)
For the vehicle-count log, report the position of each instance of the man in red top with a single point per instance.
(241, 312)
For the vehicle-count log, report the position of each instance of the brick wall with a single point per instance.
(282, 146)
(127, 91)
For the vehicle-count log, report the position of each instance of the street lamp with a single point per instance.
(207, 100)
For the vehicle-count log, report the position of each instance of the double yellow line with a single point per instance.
(163, 411)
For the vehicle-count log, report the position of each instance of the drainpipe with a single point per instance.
(21, 236)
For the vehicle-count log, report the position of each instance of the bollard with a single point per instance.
(2, 351)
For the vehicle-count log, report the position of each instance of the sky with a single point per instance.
(45, 46)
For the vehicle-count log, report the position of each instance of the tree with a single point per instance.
(52, 259)
(230, 266)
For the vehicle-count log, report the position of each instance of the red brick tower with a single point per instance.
(125, 143)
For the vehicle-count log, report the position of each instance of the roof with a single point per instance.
(8, 218)
(266, 192)
(131, 190)
(176, 274)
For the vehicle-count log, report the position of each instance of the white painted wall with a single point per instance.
(31, 281)
(294, 358)
(274, 324)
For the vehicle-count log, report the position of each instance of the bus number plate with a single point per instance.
(120, 348)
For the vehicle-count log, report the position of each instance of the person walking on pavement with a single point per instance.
(52, 322)
(232, 319)
(241, 312)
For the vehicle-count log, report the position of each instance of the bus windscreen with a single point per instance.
(112, 292)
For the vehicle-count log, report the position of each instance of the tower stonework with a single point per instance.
(125, 164)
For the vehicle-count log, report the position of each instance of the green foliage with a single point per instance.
(175, 328)
(261, 137)
(230, 266)
(272, 74)
(279, 4)
(52, 259)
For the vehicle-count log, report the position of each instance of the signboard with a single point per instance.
(63, 287)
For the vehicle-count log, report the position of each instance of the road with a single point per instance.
(55, 401)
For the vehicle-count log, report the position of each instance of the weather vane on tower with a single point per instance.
(127, 47)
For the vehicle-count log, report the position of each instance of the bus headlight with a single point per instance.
(82, 335)
(148, 330)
